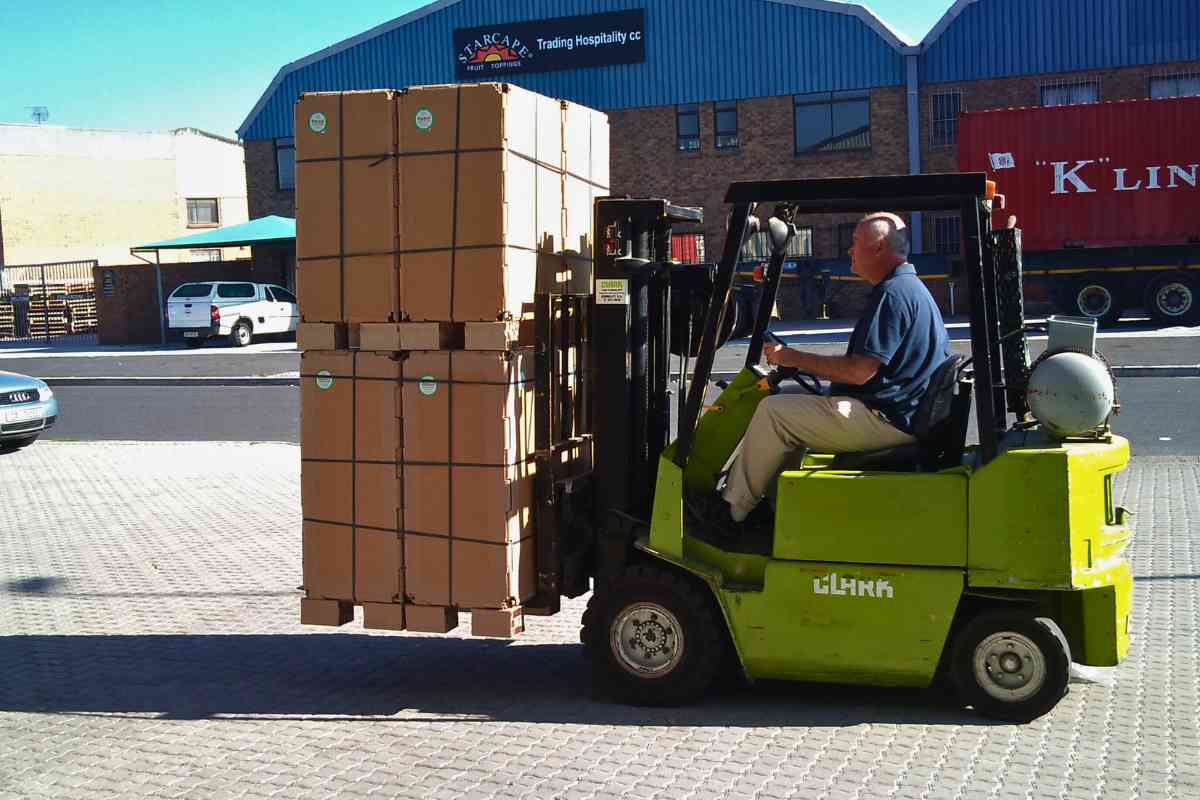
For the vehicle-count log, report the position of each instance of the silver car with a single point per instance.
(27, 407)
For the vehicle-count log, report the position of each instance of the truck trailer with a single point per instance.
(1107, 196)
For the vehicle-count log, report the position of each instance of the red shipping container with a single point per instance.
(1094, 175)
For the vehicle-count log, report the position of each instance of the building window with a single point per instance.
(206, 255)
(946, 230)
(725, 124)
(944, 108)
(687, 126)
(1175, 86)
(830, 122)
(1070, 94)
(845, 237)
(758, 246)
(202, 213)
(285, 163)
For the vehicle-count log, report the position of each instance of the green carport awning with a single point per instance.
(264, 230)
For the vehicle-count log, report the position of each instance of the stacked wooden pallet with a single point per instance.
(58, 308)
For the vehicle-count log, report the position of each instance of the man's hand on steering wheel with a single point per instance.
(776, 353)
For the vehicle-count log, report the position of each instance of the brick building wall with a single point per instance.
(129, 312)
(262, 182)
(646, 159)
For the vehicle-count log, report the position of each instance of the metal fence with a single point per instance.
(50, 303)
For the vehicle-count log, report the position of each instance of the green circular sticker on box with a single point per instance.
(427, 385)
(318, 122)
(424, 118)
(324, 379)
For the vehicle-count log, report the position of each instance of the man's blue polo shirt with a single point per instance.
(903, 328)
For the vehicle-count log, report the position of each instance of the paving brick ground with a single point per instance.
(149, 646)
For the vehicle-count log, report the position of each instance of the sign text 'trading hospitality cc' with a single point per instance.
(595, 40)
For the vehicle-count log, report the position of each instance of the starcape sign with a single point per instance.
(594, 40)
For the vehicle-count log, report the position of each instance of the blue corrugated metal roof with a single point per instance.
(695, 50)
(992, 38)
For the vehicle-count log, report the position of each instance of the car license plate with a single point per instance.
(22, 414)
(191, 334)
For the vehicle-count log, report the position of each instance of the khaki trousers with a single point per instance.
(785, 423)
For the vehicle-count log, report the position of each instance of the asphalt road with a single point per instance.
(1157, 414)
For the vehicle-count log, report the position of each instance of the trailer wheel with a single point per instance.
(1173, 299)
(653, 638)
(1011, 666)
(1094, 297)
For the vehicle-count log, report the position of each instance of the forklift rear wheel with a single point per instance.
(653, 638)
(1011, 666)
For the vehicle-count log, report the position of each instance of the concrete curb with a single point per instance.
(177, 382)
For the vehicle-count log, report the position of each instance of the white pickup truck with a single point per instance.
(234, 309)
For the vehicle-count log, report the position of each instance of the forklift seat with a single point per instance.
(940, 426)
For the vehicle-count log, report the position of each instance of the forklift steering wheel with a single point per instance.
(807, 381)
(778, 375)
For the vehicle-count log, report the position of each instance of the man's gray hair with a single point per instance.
(893, 230)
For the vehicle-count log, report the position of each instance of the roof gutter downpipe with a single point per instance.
(912, 80)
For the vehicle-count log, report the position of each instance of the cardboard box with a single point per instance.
(318, 209)
(350, 405)
(326, 491)
(346, 124)
(319, 292)
(371, 288)
(492, 504)
(383, 616)
(502, 623)
(326, 405)
(493, 407)
(427, 202)
(427, 569)
(493, 283)
(328, 561)
(325, 612)
(505, 116)
(379, 567)
(499, 335)
(378, 495)
(430, 619)
(492, 575)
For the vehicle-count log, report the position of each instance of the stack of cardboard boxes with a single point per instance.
(426, 219)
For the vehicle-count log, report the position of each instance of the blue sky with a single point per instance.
(156, 64)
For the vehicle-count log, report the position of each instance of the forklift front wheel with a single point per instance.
(1011, 666)
(652, 637)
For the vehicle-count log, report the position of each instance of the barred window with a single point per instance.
(1175, 85)
(944, 108)
(758, 246)
(830, 122)
(687, 126)
(1071, 93)
(947, 235)
(725, 124)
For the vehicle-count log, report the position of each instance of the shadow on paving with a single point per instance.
(341, 677)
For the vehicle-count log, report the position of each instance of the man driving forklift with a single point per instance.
(894, 351)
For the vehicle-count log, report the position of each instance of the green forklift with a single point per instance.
(984, 568)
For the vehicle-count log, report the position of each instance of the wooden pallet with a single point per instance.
(380, 337)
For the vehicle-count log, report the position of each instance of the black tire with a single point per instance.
(992, 656)
(242, 334)
(17, 444)
(1173, 299)
(658, 607)
(1097, 297)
